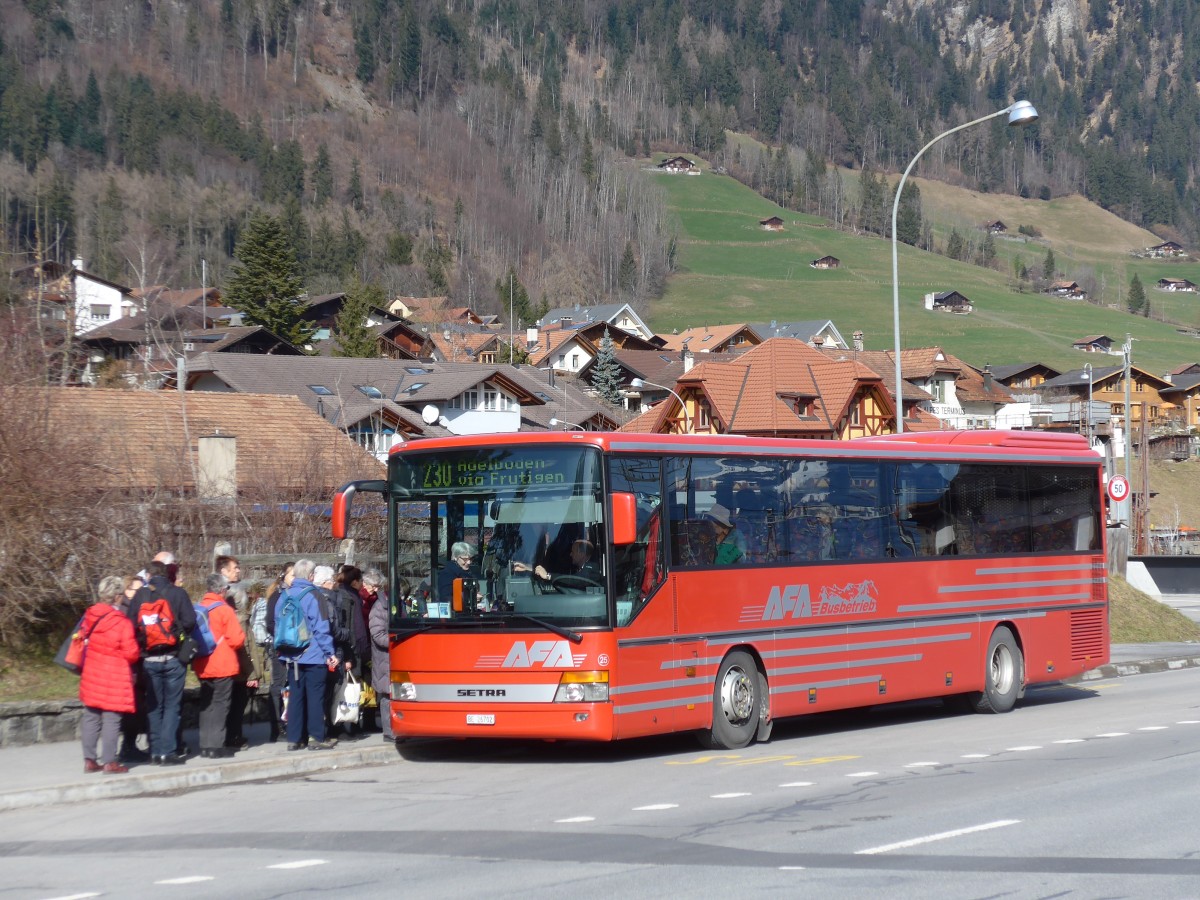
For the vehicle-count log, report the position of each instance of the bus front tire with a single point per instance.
(1004, 671)
(736, 703)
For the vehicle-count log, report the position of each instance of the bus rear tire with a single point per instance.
(737, 701)
(1004, 672)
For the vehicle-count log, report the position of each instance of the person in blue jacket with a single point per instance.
(306, 672)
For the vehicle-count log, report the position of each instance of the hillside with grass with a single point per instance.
(728, 269)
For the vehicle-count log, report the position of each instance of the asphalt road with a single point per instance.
(1084, 791)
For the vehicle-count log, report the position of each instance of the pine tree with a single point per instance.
(263, 283)
(908, 215)
(1137, 297)
(352, 336)
(322, 176)
(1050, 265)
(606, 373)
(354, 191)
(627, 274)
(954, 245)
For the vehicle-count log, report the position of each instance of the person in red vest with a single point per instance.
(106, 683)
(218, 670)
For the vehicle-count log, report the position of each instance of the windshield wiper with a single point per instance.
(573, 636)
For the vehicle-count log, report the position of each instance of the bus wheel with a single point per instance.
(1004, 672)
(736, 702)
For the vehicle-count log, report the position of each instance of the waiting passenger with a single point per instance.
(730, 545)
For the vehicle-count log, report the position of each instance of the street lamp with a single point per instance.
(554, 423)
(638, 383)
(1019, 113)
(1087, 376)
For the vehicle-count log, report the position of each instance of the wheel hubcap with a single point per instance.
(737, 696)
(1003, 670)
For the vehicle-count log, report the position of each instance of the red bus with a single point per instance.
(732, 580)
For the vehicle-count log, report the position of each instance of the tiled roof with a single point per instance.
(148, 440)
(463, 346)
(658, 366)
(705, 337)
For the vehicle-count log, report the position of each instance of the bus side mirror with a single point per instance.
(624, 518)
(343, 501)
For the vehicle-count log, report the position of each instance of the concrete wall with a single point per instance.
(1173, 574)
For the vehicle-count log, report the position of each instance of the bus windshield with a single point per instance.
(501, 531)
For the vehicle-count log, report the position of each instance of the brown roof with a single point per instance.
(705, 337)
(149, 440)
(463, 346)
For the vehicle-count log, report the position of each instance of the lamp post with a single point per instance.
(1087, 376)
(1019, 113)
(555, 422)
(638, 383)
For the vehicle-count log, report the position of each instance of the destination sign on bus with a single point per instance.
(487, 471)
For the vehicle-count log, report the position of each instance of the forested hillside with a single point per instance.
(433, 147)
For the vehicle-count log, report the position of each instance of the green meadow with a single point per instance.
(731, 270)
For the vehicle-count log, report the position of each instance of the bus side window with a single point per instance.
(639, 568)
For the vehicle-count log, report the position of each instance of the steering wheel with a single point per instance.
(573, 583)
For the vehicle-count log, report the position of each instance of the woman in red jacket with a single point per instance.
(218, 670)
(106, 683)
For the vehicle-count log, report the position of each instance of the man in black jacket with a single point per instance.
(164, 673)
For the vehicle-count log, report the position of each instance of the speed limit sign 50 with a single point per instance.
(1118, 488)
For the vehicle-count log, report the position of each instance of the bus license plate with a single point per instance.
(481, 719)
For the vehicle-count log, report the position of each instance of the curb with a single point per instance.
(1117, 670)
(183, 779)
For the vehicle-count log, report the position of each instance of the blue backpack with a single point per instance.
(292, 634)
(202, 634)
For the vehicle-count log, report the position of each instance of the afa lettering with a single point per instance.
(551, 655)
(791, 599)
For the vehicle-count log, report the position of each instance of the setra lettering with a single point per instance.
(482, 692)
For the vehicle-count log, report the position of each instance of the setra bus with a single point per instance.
(733, 580)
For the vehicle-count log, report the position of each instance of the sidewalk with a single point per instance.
(46, 774)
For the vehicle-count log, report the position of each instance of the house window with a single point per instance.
(491, 399)
(855, 415)
(488, 357)
(702, 418)
(371, 391)
(320, 390)
(455, 403)
(562, 360)
(101, 311)
(938, 389)
(471, 399)
(1138, 387)
(574, 360)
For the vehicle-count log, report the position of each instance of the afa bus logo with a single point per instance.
(547, 654)
(794, 601)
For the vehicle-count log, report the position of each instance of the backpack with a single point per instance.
(155, 625)
(291, 626)
(202, 634)
(258, 622)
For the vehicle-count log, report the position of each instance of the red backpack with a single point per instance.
(156, 625)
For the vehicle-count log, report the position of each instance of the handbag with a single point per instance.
(74, 649)
(186, 652)
(345, 706)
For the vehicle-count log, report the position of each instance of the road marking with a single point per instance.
(186, 879)
(1070, 741)
(1023, 749)
(730, 796)
(1189, 722)
(77, 896)
(921, 765)
(1114, 734)
(861, 774)
(821, 760)
(1153, 728)
(700, 760)
(653, 807)
(976, 755)
(781, 869)
(299, 864)
(797, 784)
(574, 819)
(756, 761)
(958, 832)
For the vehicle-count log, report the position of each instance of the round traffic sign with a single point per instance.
(1118, 488)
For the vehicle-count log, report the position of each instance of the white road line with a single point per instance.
(1114, 734)
(860, 774)
(1070, 741)
(791, 868)
(186, 879)
(299, 864)
(653, 807)
(958, 832)
(77, 896)
(730, 796)
(1023, 749)
(797, 784)
(920, 765)
(574, 819)
(1188, 722)
(1153, 728)
(976, 755)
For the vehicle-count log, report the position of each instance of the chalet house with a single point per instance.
(1094, 343)
(781, 388)
(948, 301)
(679, 164)
(712, 339)
(167, 442)
(996, 227)
(619, 314)
(457, 345)
(1069, 289)
(400, 340)
(826, 262)
(98, 301)
(1166, 249)
(1107, 384)
(1176, 284)
(772, 224)
(816, 332)
(566, 351)
(1184, 396)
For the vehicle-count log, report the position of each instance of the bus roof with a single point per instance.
(1014, 446)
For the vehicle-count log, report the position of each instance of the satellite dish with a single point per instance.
(429, 414)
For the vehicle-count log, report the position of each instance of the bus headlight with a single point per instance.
(582, 687)
(402, 688)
